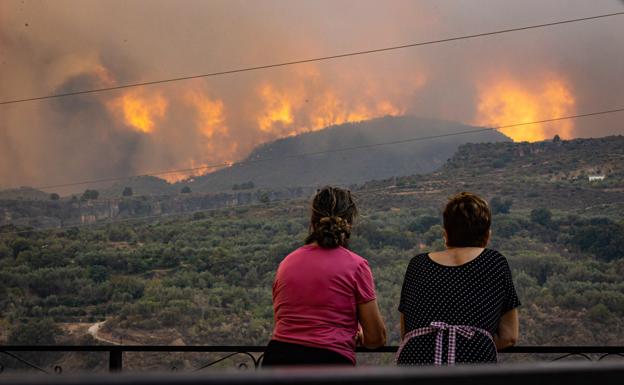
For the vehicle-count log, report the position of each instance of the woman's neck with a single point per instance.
(456, 256)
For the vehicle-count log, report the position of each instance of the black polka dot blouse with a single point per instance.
(469, 299)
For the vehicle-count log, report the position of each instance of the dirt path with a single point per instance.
(94, 332)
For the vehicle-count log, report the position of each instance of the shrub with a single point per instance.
(542, 216)
(499, 206)
(34, 332)
(90, 195)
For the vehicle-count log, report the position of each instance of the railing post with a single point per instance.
(115, 360)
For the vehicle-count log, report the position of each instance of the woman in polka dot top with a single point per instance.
(458, 305)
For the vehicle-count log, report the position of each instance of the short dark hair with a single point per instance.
(467, 221)
(333, 212)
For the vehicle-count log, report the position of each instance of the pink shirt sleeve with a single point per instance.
(364, 284)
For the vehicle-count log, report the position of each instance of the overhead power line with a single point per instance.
(312, 60)
(342, 149)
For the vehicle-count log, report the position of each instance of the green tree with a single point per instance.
(90, 195)
(34, 332)
(542, 216)
(423, 223)
(599, 314)
(600, 236)
(54, 197)
(18, 245)
(127, 191)
(98, 273)
(5, 251)
(263, 197)
(500, 206)
(185, 190)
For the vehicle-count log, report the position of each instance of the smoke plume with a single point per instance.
(61, 46)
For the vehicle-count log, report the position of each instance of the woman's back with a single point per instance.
(315, 297)
(323, 294)
(475, 294)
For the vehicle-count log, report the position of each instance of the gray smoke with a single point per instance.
(53, 47)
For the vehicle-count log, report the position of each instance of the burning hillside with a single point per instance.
(53, 48)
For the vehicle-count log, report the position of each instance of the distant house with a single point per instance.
(593, 178)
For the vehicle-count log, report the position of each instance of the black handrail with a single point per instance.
(592, 349)
(116, 351)
(557, 373)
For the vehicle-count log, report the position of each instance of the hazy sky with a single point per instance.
(49, 47)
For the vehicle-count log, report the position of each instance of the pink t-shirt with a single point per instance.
(315, 297)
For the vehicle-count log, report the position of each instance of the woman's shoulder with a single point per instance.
(494, 255)
(420, 257)
(300, 250)
(299, 253)
(418, 260)
(355, 257)
(494, 259)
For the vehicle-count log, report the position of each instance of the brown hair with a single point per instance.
(333, 212)
(467, 221)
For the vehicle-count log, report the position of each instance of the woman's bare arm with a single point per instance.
(508, 330)
(373, 328)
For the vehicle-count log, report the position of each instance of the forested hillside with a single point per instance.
(278, 164)
(205, 278)
(274, 170)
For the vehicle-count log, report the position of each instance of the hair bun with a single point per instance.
(333, 231)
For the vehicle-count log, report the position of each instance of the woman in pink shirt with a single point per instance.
(324, 298)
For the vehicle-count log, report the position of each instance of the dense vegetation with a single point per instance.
(206, 278)
(210, 278)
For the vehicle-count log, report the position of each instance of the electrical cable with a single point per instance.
(310, 60)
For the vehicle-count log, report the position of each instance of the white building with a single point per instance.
(595, 177)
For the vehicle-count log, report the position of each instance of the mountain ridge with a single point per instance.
(334, 154)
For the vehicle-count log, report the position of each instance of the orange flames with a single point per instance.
(331, 110)
(278, 108)
(509, 102)
(211, 114)
(216, 131)
(140, 111)
(201, 169)
(289, 111)
(211, 124)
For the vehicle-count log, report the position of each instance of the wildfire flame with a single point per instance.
(201, 169)
(211, 114)
(140, 111)
(211, 134)
(278, 108)
(509, 102)
(211, 123)
(289, 112)
(331, 110)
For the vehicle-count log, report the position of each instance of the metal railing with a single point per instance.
(255, 353)
(567, 373)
